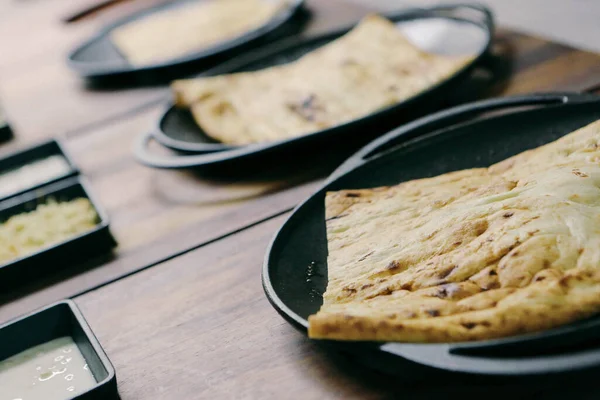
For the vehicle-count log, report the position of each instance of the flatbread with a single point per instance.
(370, 68)
(200, 24)
(468, 255)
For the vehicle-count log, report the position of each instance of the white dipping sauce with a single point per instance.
(55, 370)
(33, 174)
(444, 36)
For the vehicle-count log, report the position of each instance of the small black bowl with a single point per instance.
(46, 260)
(55, 321)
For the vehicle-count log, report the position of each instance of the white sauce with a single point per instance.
(444, 36)
(55, 370)
(33, 174)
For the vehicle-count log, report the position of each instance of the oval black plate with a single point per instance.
(5, 130)
(98, 57)
(295, 269)
(453, 29)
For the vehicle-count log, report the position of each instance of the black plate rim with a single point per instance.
(590, 357)
(289, 44)
(92, 70)
(103, 220)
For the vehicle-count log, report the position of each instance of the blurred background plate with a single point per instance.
(98, 57)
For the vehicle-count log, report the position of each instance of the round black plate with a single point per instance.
(447, 30)
(295, 269)
(98, 57)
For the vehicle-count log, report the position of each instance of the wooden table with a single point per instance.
(163, 304)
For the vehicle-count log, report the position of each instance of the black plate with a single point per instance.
(46, 260)
(55, 321)
(98, 57)
(36, 153)
(461, 28)
(295, 269)
(5, 132)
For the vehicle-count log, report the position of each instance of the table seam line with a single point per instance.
(181, 253)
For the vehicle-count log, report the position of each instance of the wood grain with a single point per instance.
(199, 326)
(534, 64)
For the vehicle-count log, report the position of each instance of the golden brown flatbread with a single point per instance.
(370, 68)
(200, 24)
(468, 255)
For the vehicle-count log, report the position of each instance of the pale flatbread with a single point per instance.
(370, 68)
(469, 255)
(200, 24)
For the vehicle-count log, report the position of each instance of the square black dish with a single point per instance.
(30, 156)
(63, 253)
(56, 321)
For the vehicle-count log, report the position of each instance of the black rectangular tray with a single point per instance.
(35, 153)
(58, 320)
(49, 259)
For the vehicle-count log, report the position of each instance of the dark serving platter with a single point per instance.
(295, 268)
(55, 321)
(452, 29)
(98, 57)
(35, 153)
(59, 255)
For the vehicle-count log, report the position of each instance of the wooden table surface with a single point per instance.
(178, 306)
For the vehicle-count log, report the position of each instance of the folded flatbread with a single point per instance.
(370, 68)
(191, 27)
(468, 255)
